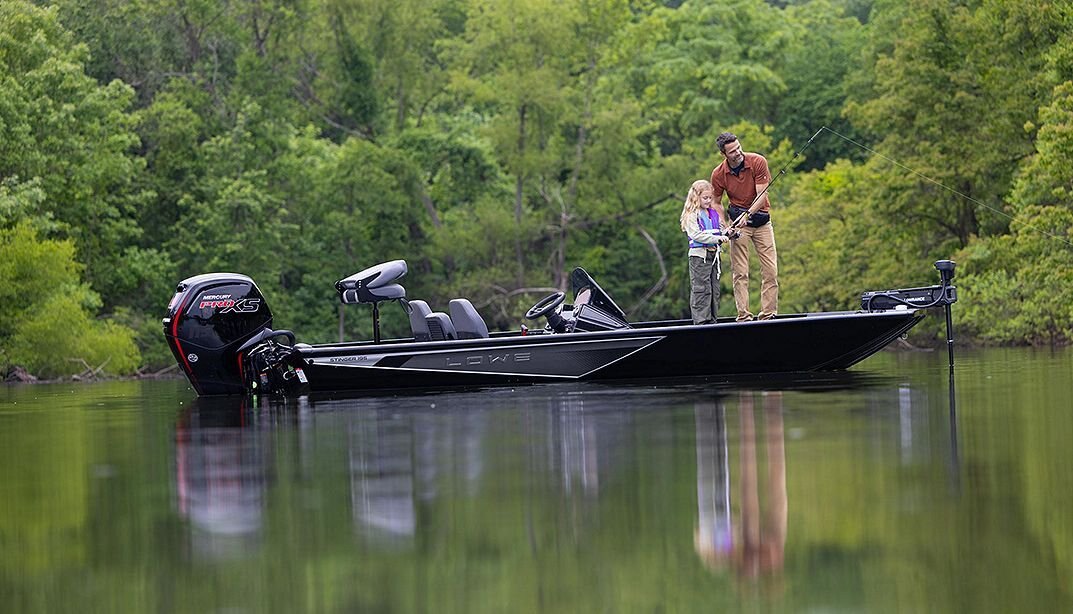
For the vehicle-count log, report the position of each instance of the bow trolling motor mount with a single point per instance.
(915, 298)
(944, 294)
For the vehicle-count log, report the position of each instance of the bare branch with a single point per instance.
(503, 293)
(662, 281)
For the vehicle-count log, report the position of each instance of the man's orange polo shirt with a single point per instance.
(741, 189)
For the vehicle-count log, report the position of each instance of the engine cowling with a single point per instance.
(209, 320)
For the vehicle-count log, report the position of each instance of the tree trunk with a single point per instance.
(519, 184)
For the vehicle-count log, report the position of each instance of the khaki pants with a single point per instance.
(763, 240)
(704, 287)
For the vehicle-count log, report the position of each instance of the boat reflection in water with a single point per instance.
(395, 464)
(755, 545)
(418, 455)
(382, 478)
(220, 479)
(400, 465)
(401, 460)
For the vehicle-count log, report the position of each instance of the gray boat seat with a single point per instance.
(374, 284)
(468, 323)
(440, 327)
(418, 310)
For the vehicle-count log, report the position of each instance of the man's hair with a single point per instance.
(722, 140)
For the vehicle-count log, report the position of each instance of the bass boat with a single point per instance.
(219, 328)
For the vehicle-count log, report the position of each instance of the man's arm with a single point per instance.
(761, 188)
(763, 180)
(758, 205)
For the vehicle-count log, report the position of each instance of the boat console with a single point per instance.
(592, 310)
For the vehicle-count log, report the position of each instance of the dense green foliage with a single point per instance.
(497, 144)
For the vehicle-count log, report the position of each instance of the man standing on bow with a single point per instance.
(742, 176)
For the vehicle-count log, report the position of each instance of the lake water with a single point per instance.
(874, 490)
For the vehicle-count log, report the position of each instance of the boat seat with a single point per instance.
(417, 311)
(440, 327)
(467, 321)
(386, 293)
(374, 284)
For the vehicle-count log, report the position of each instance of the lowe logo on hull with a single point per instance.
(476, 360)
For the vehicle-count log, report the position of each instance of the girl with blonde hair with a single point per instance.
(700, 220)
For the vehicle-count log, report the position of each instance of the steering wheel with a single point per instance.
(545, 305)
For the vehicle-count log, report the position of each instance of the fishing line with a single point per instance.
(940, 184)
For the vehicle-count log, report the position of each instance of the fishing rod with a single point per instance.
(741, 218)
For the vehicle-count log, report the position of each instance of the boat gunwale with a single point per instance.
(659, 327)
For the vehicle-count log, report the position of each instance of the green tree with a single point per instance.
(46, 325)
(826, 46)
(516, 63)
(950, 97)
(1018, 286)
(71, 136)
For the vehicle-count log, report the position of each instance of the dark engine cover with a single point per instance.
(209, 319)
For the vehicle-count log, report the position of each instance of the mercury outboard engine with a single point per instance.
(212, 321)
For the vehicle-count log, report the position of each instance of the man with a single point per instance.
(742, 176)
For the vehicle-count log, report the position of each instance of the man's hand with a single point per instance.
(738, 223)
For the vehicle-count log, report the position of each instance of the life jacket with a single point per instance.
(707, 222)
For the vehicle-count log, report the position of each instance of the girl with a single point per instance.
(700, 222)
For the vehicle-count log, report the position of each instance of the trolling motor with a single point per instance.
(944, 294)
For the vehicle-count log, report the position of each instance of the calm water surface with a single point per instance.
(856, 492)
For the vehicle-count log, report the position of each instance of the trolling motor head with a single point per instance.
(946, 270)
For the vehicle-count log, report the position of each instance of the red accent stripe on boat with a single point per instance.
(241, 371)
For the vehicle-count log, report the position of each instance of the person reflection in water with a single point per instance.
(756, 547)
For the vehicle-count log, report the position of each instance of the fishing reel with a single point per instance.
(733, 234)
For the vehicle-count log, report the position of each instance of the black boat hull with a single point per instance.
(218, 325)
(788, 344)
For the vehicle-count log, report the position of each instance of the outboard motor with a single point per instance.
(210, 323)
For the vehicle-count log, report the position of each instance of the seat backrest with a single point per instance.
(440, 327)
(468, 323)
(418, 324)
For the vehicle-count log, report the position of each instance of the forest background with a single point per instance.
(497, 144)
